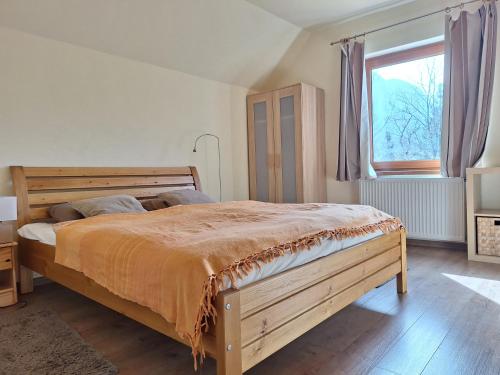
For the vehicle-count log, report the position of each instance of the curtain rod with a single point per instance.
(444, 10)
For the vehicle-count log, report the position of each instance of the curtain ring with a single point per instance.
(448, 10)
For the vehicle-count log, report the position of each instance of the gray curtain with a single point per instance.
(470, 47)
(351, 90)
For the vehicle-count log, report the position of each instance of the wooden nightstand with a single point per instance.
(8, 290)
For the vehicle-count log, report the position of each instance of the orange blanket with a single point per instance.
(174, 260)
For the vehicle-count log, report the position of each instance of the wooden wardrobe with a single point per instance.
(286, 145)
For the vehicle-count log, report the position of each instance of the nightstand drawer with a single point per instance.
(6, 259)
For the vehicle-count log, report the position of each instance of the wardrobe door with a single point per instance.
(288, 144)
(261, 147)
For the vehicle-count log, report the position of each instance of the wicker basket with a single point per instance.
(488, 236)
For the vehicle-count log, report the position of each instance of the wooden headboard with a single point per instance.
(38, 188)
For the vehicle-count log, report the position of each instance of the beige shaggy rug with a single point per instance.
(34, 341)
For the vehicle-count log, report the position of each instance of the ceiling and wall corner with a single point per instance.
(230, 41)
(313, 14)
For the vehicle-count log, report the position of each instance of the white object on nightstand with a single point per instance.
(8, 209)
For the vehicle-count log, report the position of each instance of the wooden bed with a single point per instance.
(253, 322)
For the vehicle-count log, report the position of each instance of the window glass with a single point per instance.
(406, 105)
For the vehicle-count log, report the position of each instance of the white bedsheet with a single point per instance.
(45, 233)
(42, 232)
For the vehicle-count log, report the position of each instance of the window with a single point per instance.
(405, 99)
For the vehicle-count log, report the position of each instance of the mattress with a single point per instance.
(44, 233)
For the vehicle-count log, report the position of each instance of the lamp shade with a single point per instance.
(8, 208)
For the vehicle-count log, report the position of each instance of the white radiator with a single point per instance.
(430, 208)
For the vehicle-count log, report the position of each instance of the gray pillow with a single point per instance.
(113, 204)
(64, 212)
(185, 196)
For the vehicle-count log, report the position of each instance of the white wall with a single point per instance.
(312, 60)
(65, 105)
(231, 41)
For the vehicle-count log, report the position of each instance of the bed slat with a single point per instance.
(66, 183)
(104, 171)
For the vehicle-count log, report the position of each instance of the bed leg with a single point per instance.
(401, 278)
(25, 280)
(228, 333)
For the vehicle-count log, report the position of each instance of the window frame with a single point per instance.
(400, 166)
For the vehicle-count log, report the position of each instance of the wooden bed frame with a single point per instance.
(253, 322)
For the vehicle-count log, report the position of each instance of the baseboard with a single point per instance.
(461, 246)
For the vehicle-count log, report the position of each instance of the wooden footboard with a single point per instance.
(263, 317)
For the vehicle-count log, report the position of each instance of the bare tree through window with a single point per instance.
(406, 108)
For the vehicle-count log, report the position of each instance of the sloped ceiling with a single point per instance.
(308, 13)
(230, 41)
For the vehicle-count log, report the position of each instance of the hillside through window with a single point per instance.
(405, 92)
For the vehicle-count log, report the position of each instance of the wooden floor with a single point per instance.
(448, 323)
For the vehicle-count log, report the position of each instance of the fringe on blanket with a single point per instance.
(237, 270)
